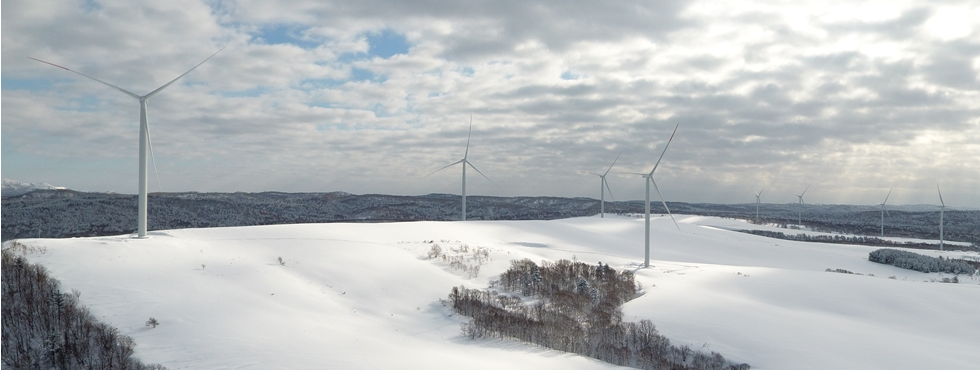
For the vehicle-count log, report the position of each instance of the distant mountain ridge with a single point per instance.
(14, 187)
(59, 213)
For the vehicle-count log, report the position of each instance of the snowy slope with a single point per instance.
(364, 296)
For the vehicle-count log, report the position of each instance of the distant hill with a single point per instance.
(14, 187)
(58, 213)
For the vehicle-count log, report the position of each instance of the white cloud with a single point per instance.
(765, 93)
(950, 23)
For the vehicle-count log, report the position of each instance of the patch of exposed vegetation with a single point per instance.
(574, 307)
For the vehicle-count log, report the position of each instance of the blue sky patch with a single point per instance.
(253, 92)
(387, 43)
(320, 83)
(568, 75)
(360, 74)
(26, 84)
(284, 34)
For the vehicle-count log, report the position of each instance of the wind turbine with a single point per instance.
(649, 178)
(941, 212)
(144, 135)
(464, 161)
(603, 185)
(883, 212)
(800, 221)
(758, 197)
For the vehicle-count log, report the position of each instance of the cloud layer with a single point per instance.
(369, 97)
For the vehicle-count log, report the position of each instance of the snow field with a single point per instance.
(364, 296)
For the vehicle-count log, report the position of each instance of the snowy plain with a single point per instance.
(366, 296)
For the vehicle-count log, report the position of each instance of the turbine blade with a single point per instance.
(760, 192)
(443, 168)
(665, 203)
(148, 95)
(478, 171)
(153, 159)
(468, 134)
(665, 149)
(886, 197)
(613, 163)
(131, 94)
(940, 196)
(634, 173)
(804, 190)
(607, 188)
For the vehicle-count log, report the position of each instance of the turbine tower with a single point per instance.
(941, 212)
(649, 180)
(758, 197)
(603, 186)
(144, 136)
(800, 220)
(464, 161)
(883, 212)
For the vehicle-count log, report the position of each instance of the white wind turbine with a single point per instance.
(144, 135)
(941, 212)
(649, 178)
(603, 186)
(758, 197)
(883, 212)
(464, 161)
(800, 220)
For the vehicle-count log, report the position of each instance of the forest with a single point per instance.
(45, 328)
(68, 213)
(574, 307)
(923, 263)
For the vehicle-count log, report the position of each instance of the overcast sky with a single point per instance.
(855, 98)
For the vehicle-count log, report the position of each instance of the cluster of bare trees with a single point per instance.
(463, 259)
(574, 307)
(44, 328)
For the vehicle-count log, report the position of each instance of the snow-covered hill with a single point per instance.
(366, 296)
(14, 187)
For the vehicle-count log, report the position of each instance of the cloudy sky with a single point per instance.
(854, 98)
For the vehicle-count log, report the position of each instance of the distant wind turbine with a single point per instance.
(464, 161)
(144, 135)
(758, 197)
(941, 212)
(883, 212)
(603, 186)
(800, 221)
(649, 178)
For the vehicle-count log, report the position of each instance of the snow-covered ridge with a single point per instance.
(366, 296)
(14, 187)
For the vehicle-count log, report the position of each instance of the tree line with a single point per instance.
(45, 328)
(923, 263)
(574, 307)
(857, 240)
